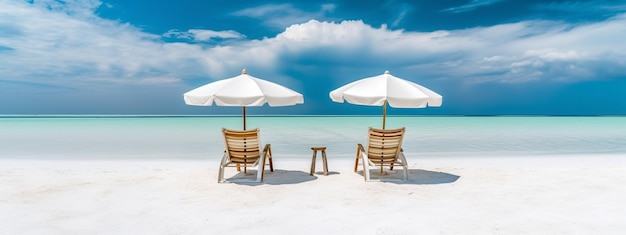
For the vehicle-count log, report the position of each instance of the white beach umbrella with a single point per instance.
(386, 89)
(243, 90)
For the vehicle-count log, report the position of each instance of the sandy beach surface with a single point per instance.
(464, 195)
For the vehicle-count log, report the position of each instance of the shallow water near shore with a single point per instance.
(199, 137)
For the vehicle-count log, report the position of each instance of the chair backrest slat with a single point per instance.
(242, 146)
(384, 145)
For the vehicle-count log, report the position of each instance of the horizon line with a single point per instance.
(284, 115)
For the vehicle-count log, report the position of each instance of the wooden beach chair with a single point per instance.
(384, 149)
(243, 149)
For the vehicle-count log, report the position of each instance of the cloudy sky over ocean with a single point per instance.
(491, 57)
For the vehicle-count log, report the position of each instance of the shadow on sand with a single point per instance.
(416, 176)
(282, 177)
(278, 177)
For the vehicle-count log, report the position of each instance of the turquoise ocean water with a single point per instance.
(199, 137)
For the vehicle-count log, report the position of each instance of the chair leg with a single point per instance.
(366, 169)
(264, 156)
(268, 150)
(271, 162)
(260, 169)
(356, 159)
(220, 174)
(405, 166)
(356, 163)
(391, 167)
(406, 172)
(267, 153)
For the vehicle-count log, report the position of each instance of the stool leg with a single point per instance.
(313, 162)
(325, 162)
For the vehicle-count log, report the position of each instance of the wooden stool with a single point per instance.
(323, 149)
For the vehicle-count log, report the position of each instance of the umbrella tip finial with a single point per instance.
(244, 71)
(386, 71)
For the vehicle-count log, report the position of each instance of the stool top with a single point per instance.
(318, 148)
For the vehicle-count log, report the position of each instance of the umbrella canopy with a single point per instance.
(386, 89)
(243, 90)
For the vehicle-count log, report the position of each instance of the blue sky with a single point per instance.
(489, 57)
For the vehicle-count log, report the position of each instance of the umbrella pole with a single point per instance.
(384, 119)
(244, 128)
(384, 113)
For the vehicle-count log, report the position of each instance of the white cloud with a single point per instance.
(203, 35)
(519, 52)
(52, 46)
(329, 7)
(552, 55)
(282, 15)
(400, 17)
(581, 7)
(470, 6)
(160, 80)
(81, 8)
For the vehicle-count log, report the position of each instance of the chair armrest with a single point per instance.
(359, 148)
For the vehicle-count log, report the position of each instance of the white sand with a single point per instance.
(533, 195)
